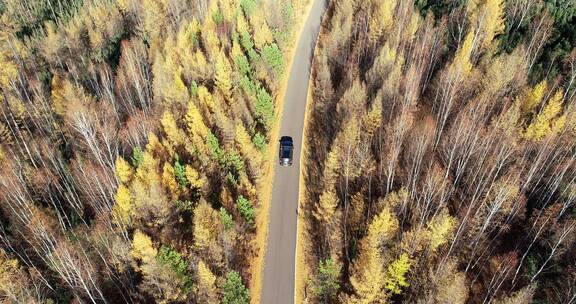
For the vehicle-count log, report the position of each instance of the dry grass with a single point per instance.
(266, 182)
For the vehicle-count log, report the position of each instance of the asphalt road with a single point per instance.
(279, 263)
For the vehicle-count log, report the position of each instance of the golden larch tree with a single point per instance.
(492, 18)
(368, 276)
(262, 33)
(532, 98)
(440, 228)
(175, 135)
(248, 150)
(326, 207)
(205, 225)
(451, 286)
(224, 75)
(193, 176)
(123, 170)
(142, 247)
(207, 292)
(382, 17)
(548, 121)
(396, 274)
(169, 181)
(123, 209)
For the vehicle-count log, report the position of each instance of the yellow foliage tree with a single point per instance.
(396, 275)
(9, 69)
(187, 36)
(153, 145)
(174, 134)
(211, 42)
(167, 69)
(508, 121)
(347, 141)
(195, 26)
(197, 130)
(223, 75)
(558, 124)
(357, 211)
(154, 19)
(52, 42)
(228, 9)
(206, 99)
(331, 168)
(206, 284)
(62, 91)
(382, 17)
(492, 20)
(534, 97)
(236, 49)
(179, 91)
(142, 247)
(413, 26)
(451, 285)
(241, 23)
(124, 4)
(262, 33)
(373, 120)
(393, 79)
(205, 225)
(547, 121)
(501, 72)
(147, 170)
(248, 150)
(195, 122)
(369, 277)
(440, 229)
(394, 198)
(383, 227)
(247, 187)
(437, 232)
(462, 59)
(169, 182)
(149, 199)
(15, 285)
(123, 170)
(326, 207)
(200, 65)
(123, 207)
(329, 216)
(103, 21)
(192, 175)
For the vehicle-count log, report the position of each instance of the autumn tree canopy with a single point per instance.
(440, 153)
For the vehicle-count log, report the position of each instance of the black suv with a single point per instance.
(286, 151)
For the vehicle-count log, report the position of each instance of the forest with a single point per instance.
(441, 153)
(133, 138)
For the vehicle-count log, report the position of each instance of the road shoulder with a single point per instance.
(303, 242)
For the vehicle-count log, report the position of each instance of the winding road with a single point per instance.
(279, 264)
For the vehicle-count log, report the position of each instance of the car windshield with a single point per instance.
(286, 151)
